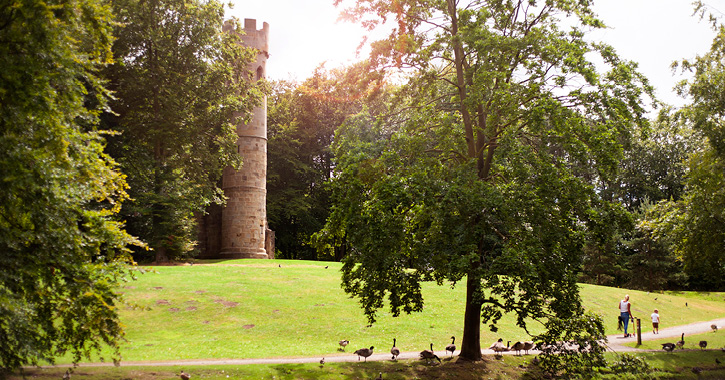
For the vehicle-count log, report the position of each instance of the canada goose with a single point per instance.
(681, 342)
(497, 343)
(322, 362)
(184, 376)
(518, 346)
(714, 328)
(696, 370)
(66, 375)
(380, 376)
(717, 361)
(395, 351)
(498, 347)
(429, 355)
(527, 346)
(364, 352)
(451, 347)
(669, 347)
(703, 344)
(343, 343)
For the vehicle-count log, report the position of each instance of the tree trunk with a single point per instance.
(471, 343)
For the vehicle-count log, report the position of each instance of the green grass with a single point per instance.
(256, 309)
(506, 368)
(715, 340)
(665, 366)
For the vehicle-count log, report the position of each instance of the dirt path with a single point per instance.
(615, 343)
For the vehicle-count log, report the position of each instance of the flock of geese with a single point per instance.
(498, 347)
(669, 347)
(429, 355)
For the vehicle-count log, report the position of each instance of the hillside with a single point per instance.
(265, 308)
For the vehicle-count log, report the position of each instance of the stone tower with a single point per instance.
(239, 230)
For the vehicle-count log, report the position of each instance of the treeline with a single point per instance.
(116, 120)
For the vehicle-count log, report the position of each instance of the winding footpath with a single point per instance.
(616, 343)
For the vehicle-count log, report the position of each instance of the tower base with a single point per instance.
(231, 254)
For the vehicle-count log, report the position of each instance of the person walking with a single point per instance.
(625, 311)
(656, 322)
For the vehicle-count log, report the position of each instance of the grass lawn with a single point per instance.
(665, 366)
(506, 368)
(279, 308)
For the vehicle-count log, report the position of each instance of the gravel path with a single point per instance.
(615, 344)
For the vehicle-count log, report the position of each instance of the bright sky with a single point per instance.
(654, 33)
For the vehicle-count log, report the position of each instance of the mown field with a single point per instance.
(276, 309)
(264, 309)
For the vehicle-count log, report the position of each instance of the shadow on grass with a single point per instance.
(490, 368)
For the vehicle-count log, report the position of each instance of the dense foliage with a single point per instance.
(62, 255)
(484, 169)
(180, 84)
(302, 121)
(697, 222)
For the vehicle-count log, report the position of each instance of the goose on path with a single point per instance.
(364, 352)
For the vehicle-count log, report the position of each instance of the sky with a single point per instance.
(653, 33)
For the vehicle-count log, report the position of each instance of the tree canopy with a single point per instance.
(180, 86)
(62, 254)
(697, 223)
(302, 120)
(481, 171)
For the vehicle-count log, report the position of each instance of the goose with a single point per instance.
(66, 375)
(681, 342)
(714, 328)
(669, 347)
(518, 346)
(322, 362)
(498, 347)
(184, 376)
(527, 346)
(429, 355)
(498, 343)
(703, 344)
(343, 343)
(395, 351)
(364, 352)
(380, 376)
(451, 347)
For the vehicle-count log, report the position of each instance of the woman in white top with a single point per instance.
(625, 313)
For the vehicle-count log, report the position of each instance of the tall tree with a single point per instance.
(621, 247)
(474, 179)
(302, 123)
(180, 85)
(62, 255)
(701, 213)
(654, 165)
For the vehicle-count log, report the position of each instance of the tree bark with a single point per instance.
(471, 343)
